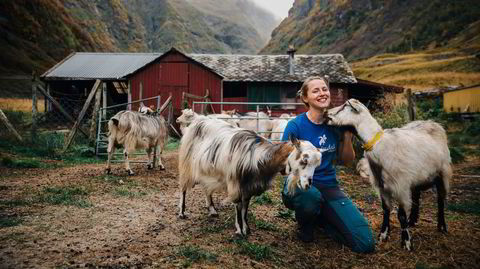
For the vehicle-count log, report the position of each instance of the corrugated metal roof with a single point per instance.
(83, 65)
(276, 67)
(86, 65)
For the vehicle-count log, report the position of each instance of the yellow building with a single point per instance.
(462, 100)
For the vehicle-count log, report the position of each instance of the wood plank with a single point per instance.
(96, 86)
(169, 99)
(34, 106)
(96, 108)
(59, 107)
(10, 127)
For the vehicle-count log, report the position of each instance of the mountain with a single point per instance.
(36, 34)
(363, 28)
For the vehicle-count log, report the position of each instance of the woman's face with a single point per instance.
(318, 95)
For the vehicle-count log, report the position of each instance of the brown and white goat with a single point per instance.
(135, 130)
(402, 162)
(222, 157)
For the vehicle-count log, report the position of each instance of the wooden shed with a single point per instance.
(462, 100)
(176, 73)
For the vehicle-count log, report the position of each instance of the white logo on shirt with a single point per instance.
(323, 140)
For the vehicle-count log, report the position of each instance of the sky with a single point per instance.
(278, 7)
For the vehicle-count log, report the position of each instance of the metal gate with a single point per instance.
(257, 110)
(104, 114)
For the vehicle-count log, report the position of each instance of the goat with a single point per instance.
(188, 115)
(403, 162)
(258, 122)
(135, 130)
(222, 157)
(278, 126)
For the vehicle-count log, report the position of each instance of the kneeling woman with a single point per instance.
(324, 203)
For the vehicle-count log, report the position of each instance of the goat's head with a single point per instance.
(187, 117)
(350, 113)
(301, 164)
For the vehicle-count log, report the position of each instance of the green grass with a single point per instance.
(265, 225)
(255, 251)
(285, 214)
(66, 195)
(124, 191)
(263, 199)
(172, 144)
(469, 207)
(15, 203)
(20, 163)
(6, 221)
(194, 254)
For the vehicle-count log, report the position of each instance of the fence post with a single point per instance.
(82, 113)
(411, 105)
(129, 91)
(9, 126)
(96, 107)
(104, 99)
(34, 105)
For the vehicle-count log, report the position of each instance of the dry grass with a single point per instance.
(21, 104)
(422, 70)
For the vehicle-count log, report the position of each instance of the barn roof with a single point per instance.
(107, 66)
(276, 67)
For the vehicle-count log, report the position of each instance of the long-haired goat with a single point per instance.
(135, 130)
(188, 115)
(403, 162)
(222, 157)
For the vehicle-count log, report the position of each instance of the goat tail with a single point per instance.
(446, 176)
(112, 127)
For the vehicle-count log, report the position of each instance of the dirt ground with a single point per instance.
(131, 222)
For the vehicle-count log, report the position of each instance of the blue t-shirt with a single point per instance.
(321, 136)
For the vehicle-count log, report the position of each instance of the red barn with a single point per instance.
(230, 78)
(176, 73)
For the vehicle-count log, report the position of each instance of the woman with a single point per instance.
(324, 203)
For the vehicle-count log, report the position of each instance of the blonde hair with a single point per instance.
(303, 92)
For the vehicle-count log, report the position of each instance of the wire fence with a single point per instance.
(260, 119)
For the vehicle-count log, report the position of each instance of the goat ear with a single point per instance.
(287, 168)
(294, 141)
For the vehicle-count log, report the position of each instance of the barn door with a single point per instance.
(174, 78)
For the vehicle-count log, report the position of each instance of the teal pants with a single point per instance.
(330, 208)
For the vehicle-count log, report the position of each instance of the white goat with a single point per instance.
(135, 130)
(220, 156)
(278, 127)
(403, 162)
(258, 122)
(188, 115)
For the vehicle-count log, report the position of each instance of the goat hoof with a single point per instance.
(407, 245)
(239, 235)
(162, 167)
(108, 171)
(213, 214)
(383, 237)
(130, 172)
(149, 166)
(182, 216)
(442, 229)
